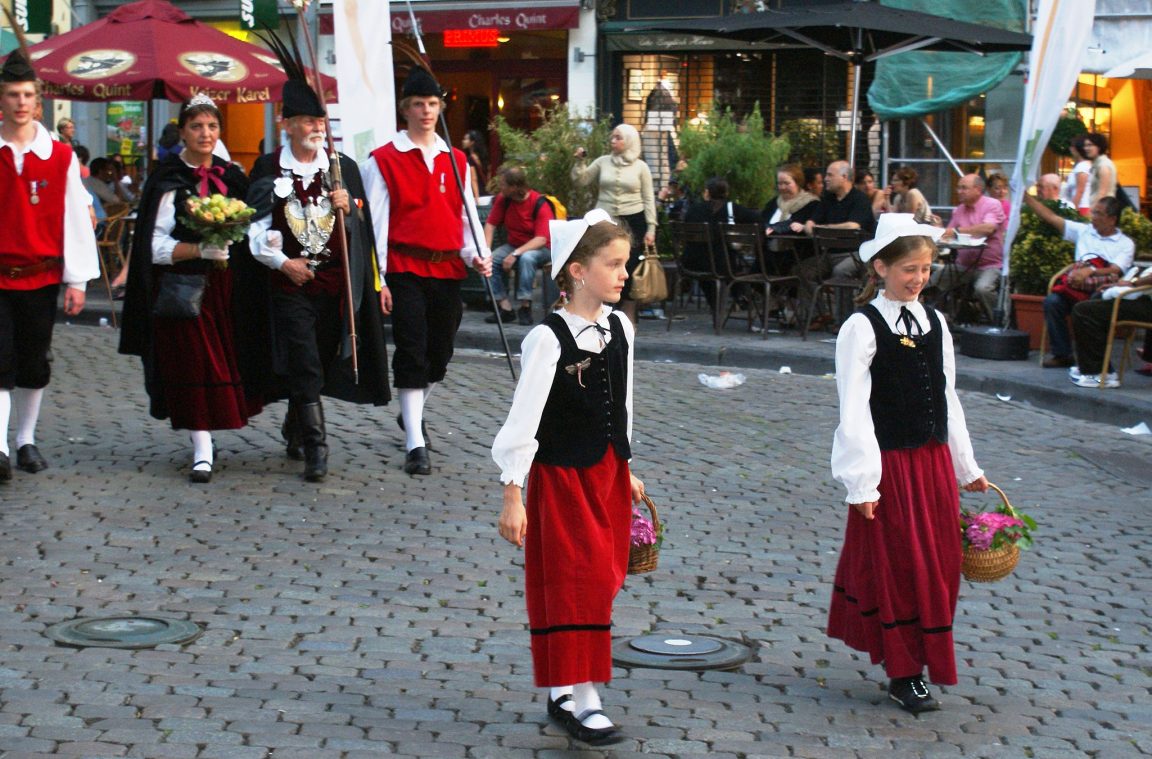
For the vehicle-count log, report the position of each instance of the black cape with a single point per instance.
(372, 351)
(251, 338)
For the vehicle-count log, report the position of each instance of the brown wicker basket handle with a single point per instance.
(1004, 498)
(652, 510)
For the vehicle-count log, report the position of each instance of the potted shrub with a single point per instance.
(1038, 252)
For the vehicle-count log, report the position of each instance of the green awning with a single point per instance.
(917, 83)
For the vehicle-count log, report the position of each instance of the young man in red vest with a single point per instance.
(423, 244)
(47, 240)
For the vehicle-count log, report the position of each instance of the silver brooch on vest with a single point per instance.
(311, 223)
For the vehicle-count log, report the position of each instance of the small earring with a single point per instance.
(580, 285)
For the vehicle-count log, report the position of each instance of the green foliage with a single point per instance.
(1139, 228)
(740, 152)
(1067, 128)
(547, 153)
(1039, 251)
(814, 143)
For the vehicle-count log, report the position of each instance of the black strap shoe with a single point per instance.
(200, 476)
(29, 459)
(417, 461)
(911, 693)
(593, 736)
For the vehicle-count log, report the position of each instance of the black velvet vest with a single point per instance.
(579, 422)
(908, 403)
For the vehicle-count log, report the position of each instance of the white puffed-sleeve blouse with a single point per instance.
(855, 451)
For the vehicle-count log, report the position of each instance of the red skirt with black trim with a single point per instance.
(575, 561)
(898, 579)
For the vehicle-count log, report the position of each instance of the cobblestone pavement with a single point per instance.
(378, 614)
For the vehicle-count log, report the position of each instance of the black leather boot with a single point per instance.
(311, 417)
(290, 429)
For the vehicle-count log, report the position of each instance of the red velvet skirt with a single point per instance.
(897, 582)
(575, 561)
(196, 364)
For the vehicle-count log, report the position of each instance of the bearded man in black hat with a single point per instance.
(295, 236)
(424, 247)
(47, 240)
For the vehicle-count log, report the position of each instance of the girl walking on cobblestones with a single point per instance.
(568, 431)
(900, 449)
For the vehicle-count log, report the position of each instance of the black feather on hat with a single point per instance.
(17, 67)
(421, 84)
(298, 97)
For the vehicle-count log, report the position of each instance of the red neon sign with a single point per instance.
(471, 37)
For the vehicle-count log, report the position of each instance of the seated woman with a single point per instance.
(792, 205)
(715, 209)
(901, 196)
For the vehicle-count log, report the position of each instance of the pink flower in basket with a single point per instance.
(643, 533)
(984, 530)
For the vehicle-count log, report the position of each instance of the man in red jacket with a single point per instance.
(424, 246)
(47, 240)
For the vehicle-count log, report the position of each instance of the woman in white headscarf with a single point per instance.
(625, 192)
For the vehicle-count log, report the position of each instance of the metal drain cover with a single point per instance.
(123, 632)
(676, 651)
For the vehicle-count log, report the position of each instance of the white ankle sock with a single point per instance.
(5, 414)
(563, 690)
(412, 410)
(586, 698)
(27, 405)
(201, 448)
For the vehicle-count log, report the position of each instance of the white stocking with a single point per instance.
(412, 410)
(563, 690)
(202, 448)
(586, 698)
(27, 405)
(5, 413)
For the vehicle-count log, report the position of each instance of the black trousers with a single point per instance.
(426, 313)
(1090, 320)
(306, 333)
(26, 319)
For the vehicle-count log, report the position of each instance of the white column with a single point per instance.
(582, 74)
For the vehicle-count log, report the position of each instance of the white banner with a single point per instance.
(1059, 47)
(363, 33)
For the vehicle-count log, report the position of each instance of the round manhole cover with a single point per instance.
(123, 632)
(676, 651)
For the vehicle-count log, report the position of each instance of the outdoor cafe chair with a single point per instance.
(744, 262)
(1125, 329)
(683, 235)
(110, 251)
(837, 290)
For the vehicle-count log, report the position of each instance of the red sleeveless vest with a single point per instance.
(33, 231)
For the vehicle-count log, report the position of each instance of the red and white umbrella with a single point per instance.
(151, 50)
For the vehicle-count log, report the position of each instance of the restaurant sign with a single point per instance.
(511, 18)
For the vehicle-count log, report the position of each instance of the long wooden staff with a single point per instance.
(421, 59)
(337, 184)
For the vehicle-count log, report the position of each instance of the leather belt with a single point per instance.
(20, 272)
(424, 254)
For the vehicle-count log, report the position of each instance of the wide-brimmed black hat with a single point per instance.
(17, 69)
(421, 84)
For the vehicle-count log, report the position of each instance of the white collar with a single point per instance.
(41, 143)
(577, 321)
(289, 161)
(404, 143)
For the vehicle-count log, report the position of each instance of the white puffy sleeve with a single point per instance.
(630, 337)
(960, 445)
(163, 243)
(515, 445)
(81, 261)
(855, 451)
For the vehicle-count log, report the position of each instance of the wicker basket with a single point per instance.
(994, 564)
(643, 559)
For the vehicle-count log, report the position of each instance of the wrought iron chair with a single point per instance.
(839, 290)
(683, 235)
(744, 261)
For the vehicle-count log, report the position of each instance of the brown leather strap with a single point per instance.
(424, 254)
(19, 272)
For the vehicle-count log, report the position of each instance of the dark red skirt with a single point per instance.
(896, 585)
(575, 561)
(196, 364)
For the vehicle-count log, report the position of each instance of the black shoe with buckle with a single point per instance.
(29, 459)
(912, 694)
(507, 316)
(418, 462)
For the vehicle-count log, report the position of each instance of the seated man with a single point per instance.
(977, 215)
(525, 214)
(102, 185)
(841, 206)
(1101, 249)
(1090, 322)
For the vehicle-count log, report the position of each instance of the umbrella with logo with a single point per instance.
(151, 50)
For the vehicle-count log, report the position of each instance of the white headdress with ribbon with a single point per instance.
(566, 234)
(892, 225)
